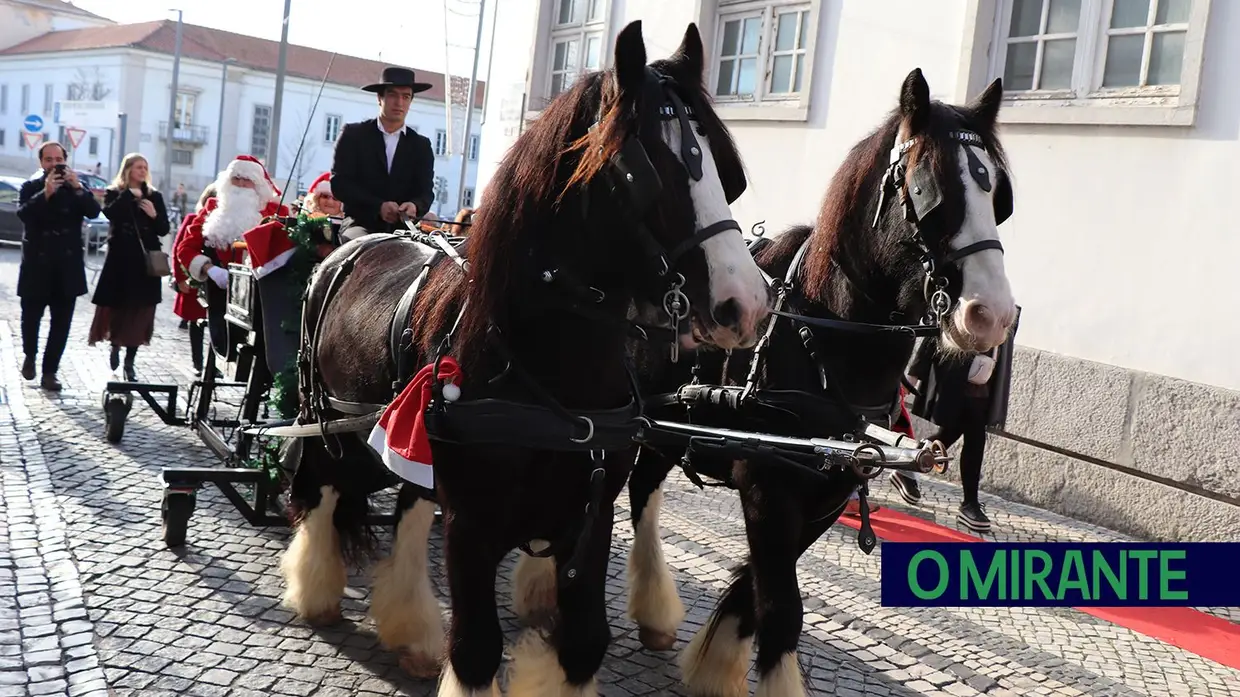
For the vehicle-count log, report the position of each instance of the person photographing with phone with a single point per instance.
(52, 208)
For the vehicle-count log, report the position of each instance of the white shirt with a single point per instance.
(390, 141)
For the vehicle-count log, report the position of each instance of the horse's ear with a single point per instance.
(691, 55)
(915, 100)
(631, 59)
(986, 107)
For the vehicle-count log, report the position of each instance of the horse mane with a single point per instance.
(523, 196)
(851, 196)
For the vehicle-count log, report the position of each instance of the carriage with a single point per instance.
(251, 335)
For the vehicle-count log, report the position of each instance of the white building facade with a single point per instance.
(1122, 126)
(222, 111)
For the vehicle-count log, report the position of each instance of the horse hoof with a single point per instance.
(655, 640)
(419, 666)
(326, 618)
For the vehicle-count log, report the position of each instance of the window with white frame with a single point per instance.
(577, 31)
(441, 142)
(763, 50)
(331, 127)
(185, 110)
(1107, 53)
(467, 198)
(473, 147)
(25, 100)
(49, 98)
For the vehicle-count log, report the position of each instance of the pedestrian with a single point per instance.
(384, 175)
(960, 396)
(52, 207)
(128, 291)
(186, 305)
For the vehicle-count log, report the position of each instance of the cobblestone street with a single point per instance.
(92, 603)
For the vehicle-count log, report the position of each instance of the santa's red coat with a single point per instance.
(190, 251)
(186, 305)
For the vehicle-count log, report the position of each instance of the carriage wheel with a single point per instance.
(115, 411)
(177, 507)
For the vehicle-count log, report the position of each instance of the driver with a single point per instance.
(382, 169)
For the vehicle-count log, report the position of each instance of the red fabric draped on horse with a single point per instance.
(617, 194)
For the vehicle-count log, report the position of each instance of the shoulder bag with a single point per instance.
(156, 260)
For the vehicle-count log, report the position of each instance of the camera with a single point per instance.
(60, 169)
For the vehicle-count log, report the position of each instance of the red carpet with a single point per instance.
(1194, 631)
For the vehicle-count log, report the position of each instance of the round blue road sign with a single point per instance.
(33, 123)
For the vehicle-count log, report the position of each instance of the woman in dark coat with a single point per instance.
(962, 397)
(126, 294)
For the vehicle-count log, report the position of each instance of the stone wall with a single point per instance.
(1144, 454)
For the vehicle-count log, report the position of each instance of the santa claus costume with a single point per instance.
(205, 247)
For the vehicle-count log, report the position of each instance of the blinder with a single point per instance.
(920, 195)
(634, 182)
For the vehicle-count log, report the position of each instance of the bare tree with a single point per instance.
(301, 165)
(89, 85)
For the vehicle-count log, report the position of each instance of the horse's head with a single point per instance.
(948, 170)
(662, 170)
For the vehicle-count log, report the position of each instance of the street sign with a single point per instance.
(33, 140)
(85, 113)
(33, 123)
(75, 135)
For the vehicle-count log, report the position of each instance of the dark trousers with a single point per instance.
(970, 425)
(61, 311)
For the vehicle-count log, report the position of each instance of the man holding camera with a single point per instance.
(52, 208)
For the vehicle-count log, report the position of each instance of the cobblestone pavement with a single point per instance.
(92, 603)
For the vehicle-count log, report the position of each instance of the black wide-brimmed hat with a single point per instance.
(398, 77)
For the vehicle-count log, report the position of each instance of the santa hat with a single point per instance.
(269, 247)
(400, 437)
(248, 167)
(322, 185)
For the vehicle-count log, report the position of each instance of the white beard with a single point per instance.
(239, 211)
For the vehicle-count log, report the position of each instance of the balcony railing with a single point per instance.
(189, 135)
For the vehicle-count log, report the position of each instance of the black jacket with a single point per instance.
(360, 177)
(124, 282)
(53, 267)
(945, 384)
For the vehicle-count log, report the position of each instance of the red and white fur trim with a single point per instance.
(419, 473)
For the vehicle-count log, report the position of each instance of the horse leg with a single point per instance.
(654, 603)
(533, 586)
(716, 661)
(477, 642)
(313, 566)
(403, 605)
(778, 535)
(774, 533)
(581, 632)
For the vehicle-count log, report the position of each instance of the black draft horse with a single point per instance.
(907, 235)
(617, 194)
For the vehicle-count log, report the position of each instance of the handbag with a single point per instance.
(155, 260)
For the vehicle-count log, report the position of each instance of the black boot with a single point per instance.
(195, 345)
(50, 383)
(114, 360)
(28, 368)
(972, 515)
(130, 353)
(909, 490)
